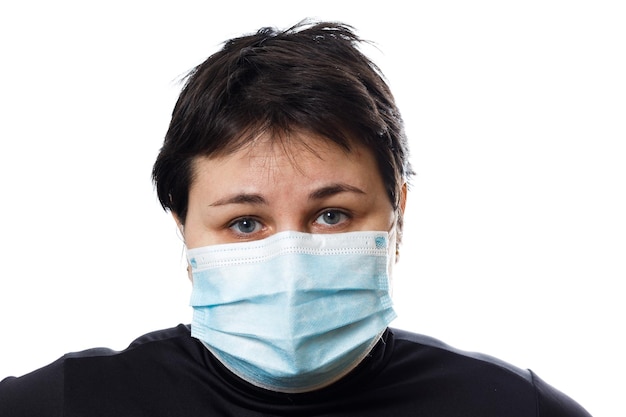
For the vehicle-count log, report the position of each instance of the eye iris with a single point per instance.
(246, 225)
(331, 217)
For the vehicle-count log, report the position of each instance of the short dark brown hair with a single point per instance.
(311, 77)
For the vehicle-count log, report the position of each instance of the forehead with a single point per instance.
(283, 158)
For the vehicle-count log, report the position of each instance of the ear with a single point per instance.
(400, 218)
(179, 224)
(403, 193)
(181, 229)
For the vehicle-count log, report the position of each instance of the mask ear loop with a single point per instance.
(399, 217)
(392, 257)
(393, 236)
(180, 233)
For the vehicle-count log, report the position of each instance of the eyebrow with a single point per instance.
(334, 189)
(243, 198)
(257, 199)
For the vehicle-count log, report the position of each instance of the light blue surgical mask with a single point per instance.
(293, 312)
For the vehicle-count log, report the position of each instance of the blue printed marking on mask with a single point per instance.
(193, 263)
(381, 242)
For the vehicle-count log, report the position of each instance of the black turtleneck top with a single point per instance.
(169, 373)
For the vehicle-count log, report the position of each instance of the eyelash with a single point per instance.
(343, 217)
(238, 221)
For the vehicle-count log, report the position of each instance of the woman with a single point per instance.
(285, 167)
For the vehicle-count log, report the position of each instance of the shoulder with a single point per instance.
(418, 344)
(480, 381)
(42, 391)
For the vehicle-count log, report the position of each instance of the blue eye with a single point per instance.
(245, 225)
(331, 217)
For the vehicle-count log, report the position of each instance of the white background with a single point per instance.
(515, 235)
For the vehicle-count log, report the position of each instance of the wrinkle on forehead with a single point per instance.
(270, 150)
(270, 153)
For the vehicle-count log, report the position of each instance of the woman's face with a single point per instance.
(310, 185)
